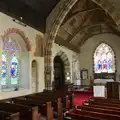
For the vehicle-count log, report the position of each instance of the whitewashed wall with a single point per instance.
(6, 22)
(87, 50)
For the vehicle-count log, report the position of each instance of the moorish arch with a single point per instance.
(15, 48)
(106, 5)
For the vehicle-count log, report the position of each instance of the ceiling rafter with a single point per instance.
(81, 26)
(71, 36)
(81, 11)
(74, 7)
(87, 36)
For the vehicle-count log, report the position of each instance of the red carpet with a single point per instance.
(79, 97)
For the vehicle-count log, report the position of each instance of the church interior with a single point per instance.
(59, 60)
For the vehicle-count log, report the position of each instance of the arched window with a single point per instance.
(10, 63)
(104, 59)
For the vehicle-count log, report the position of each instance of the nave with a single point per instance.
(59, 60)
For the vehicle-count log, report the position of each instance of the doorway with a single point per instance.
(59, 73)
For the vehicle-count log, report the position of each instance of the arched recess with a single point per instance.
(15, 61)
(105, 4)
(34, 76)
(66, 62)
(104, 62)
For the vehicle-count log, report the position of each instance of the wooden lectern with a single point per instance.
(113, 90)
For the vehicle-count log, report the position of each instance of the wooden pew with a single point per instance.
(57, 104)
(97, 99)
(95, 111)
(41, 105)
(67, 99)
(86, 103)
(96, 114)
(101, 110)
(105, 104)
(9, 116)
(26, 112)
(72, 116)
(32, 102)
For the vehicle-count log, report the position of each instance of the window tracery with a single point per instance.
(104, 59)
(10, 63)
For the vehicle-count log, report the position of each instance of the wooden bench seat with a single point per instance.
(57, 104)
(66, 100)
(86, 103)
(30, 102)
(97, 114)
(9, 116)
(104, 100)
(26, 112)
(59, 94)
(105, 104)
(74, 116)
(101, 110)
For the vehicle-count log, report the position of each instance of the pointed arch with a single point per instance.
(104, 59)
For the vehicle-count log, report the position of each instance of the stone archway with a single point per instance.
(65, 59)
(67, 5)
(61, 72)
(20, 33)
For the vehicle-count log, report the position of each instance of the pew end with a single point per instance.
(35, 113)
(49, 111)
(15, 116)
(60, 107)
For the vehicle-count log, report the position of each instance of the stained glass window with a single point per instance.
(14, 70)
(104, 61)
(10, 72)
(4, 69)
(10, 45)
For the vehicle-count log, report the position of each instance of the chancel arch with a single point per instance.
(14, 62)
(104, 62)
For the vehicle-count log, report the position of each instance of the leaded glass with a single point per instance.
(104, 61)
(10, 45)
(14, 70)
(4, 69)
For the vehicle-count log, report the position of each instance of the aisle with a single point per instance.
(81, 96)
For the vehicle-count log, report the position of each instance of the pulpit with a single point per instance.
(112, 90)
